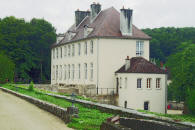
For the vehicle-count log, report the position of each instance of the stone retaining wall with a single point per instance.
(56, 110)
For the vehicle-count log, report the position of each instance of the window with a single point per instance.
(68, 50)
(126, 82)
(60, 72)
(53, 53)
(79, 71)
(148, 82)
(53, 72)
(125, 104)
(61, 52)
(91, 47)
(139, 48)
(73, 50)
(57, 53)
(158, 83)
(85, 48)
(65, 51)
(120, 83)
(79, 49)
(68, 71)
(139, 81)
(72, 71)
(91, 66)
(64, 72)
(56, 72)
(146, 105)
(85, 70)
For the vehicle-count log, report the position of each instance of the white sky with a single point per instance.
(147, 13)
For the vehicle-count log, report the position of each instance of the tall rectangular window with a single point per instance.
(61, 52)
(120, 82)
(72, 71)
(60, 72)
(139, 48)
(73, 50)
(57, 53)
(56, 72)
(139, 83)
(85, 48)
(158, 83)
(53, 72)
(148, 83)
(91, 66)
(91, 47)
(79, 71)
(68, 50)
(65, 51)
(79, 49)
(85, 70)
(68, 71)
(64, 72)
(53, 53)
(126, 82)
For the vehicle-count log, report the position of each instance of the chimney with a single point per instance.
(126, 21)
(127, 63)
(80, 15)
(95, 9)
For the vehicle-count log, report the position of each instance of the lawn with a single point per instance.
(89, 119)
(184, 118)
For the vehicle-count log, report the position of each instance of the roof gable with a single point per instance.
(141, 65)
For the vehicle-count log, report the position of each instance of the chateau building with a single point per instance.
(94, 48)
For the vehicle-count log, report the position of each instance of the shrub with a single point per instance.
(31, 86)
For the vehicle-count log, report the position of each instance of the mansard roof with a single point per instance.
(106, 24)
(141, 65)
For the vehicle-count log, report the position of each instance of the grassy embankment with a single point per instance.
(89, 119)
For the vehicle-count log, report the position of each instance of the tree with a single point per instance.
(6, 69)
(182, 67)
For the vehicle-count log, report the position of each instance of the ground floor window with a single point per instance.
(146, 105)
(125, 104)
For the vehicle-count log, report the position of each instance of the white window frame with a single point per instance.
(121, 82)
(69, 50)
(139, 85)
(85, 48)
(64, 72)
(79, 71)
(126, 82)
(85, 70)
(57, 53)
(60, 72)
(69, 71)
(61, 52)
(149, 83)
(73, 50)
(91, 46)
(65, 51)
(79, 49)
(158, 83)
(56, 72)
(139, 48)
(73, 70)
(91, 71)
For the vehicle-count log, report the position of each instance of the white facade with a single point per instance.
(135, 96)
(97, 58)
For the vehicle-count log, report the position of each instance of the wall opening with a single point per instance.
(146, 105)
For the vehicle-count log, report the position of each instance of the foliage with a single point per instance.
(182, 65)
(191, 101)
(28, 45)
(165, 40)
(31, 86)
(89, 119)
(6, 69)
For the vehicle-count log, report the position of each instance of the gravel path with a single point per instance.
(17, 114)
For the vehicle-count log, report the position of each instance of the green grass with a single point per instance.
(185, 118)
(89, 119)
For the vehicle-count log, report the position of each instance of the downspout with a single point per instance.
(97, 64)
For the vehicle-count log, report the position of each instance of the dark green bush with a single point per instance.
(191, 101)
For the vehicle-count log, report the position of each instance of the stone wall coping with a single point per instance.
(125, 111)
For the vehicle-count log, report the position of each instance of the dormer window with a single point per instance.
(71, 34)
(87, 30)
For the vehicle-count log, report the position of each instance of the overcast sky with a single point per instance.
(147, 13)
